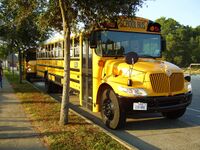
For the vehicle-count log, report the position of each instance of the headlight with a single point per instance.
(189, 87)
(134, 91)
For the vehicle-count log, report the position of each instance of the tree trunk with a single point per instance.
(13, 64)
(20, 66)
(65, 94)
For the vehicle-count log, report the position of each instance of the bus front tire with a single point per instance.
(112, 112)
(174, 114)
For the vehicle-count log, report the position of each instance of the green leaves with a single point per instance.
(20, 29)
(183, 44)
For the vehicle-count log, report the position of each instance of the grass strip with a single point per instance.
(43, 111)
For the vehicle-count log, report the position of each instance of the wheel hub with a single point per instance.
(108, 109)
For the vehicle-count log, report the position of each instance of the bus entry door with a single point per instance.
(87, 75)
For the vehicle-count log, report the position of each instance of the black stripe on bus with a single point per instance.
(73, 69)
(58, 78)
(58, 59)
(40, 71)
(78, 91)
(42, 65)
(55, 75)
(74, 59)
(50, 59)
(74, 80)
(58, 67)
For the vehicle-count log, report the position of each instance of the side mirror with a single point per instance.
(188, 78)
(93, 39)
(163, 44)
(131, 58)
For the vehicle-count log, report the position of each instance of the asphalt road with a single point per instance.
(152, 131)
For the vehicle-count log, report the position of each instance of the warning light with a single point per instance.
(154, 27)
(151, 28)
(157, 29)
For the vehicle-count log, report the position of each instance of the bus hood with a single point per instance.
(119, 67)
(152, 65)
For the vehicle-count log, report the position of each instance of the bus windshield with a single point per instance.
(116, 44)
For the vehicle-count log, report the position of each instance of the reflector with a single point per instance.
(101, 63)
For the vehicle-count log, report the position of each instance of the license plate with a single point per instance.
(139, 106)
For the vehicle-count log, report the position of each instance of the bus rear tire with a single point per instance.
(112, 112)
(48, 86)
(174, 114)
(28, 77)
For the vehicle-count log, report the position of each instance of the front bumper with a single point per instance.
(158, 104)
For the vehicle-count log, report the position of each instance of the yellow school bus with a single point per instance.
(117, 69)
(29, 64)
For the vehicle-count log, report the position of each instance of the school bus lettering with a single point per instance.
(132, 24)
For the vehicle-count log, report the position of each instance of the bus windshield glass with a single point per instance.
(116, 44)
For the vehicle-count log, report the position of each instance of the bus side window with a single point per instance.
(60, 49)
(43, 51)
(71, 48)
(52, 51)
(62, 46)
(76, 47)
(47, 50)
(87, 54)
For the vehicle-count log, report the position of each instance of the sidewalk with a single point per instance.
(16, 132)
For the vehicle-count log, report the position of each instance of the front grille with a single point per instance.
(161, 83)
(176, 82)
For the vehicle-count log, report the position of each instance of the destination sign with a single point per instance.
(133, 24)
(127, 24)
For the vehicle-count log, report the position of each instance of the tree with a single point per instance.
(195, 45)
(20, 29)
(181, 42)
(3, 51)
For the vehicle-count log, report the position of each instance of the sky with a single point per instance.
(186, 12)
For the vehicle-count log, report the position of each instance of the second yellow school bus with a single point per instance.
(117, 70)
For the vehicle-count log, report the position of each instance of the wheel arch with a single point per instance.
(118, 119)
(100, 92)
